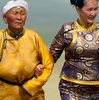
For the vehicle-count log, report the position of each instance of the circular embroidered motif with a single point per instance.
(79, 50)
(88, 37)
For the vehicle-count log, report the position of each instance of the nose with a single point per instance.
(18, 16)
(93, 13)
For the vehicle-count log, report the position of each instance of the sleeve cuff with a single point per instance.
(26, 91)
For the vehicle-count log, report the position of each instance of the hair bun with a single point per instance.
(72, 2)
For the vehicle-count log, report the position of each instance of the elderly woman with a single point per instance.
(20, 51)
(79, 78)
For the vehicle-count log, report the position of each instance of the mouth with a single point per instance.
(91, 18)
(18, 23)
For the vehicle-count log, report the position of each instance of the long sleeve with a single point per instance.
(57, 45)
(61, 41)
(33, 85)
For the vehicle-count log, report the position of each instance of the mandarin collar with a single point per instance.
(80, 26)
(81, 23)
(15, 36)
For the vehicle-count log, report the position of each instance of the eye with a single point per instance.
(89, 9)
(92, 9)
(15, 12)
(23, 13)
(96, 9)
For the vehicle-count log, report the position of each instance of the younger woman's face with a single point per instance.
(89, 11)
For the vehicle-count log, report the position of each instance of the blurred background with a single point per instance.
(46, 18)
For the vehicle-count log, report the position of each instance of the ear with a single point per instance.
(78, 10)
(5, 18)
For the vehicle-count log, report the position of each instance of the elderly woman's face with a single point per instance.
(15, 18)
(89, 11)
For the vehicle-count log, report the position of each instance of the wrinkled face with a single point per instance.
(15, 18)
(89, 11)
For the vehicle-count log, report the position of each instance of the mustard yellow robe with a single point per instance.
(19, 56)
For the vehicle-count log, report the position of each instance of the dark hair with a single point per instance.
(79, 3)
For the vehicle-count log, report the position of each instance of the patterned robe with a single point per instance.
(80, 72)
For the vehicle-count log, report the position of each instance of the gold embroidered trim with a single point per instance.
(73, 41)
(79, 81)
(80, 28)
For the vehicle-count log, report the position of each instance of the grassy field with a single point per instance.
(51, 87)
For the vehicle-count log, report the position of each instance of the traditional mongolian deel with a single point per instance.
(18, 59)
(81, 68)
(21, 49)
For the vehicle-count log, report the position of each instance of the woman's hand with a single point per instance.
(39, 70)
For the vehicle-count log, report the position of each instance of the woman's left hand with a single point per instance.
(39, 70)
